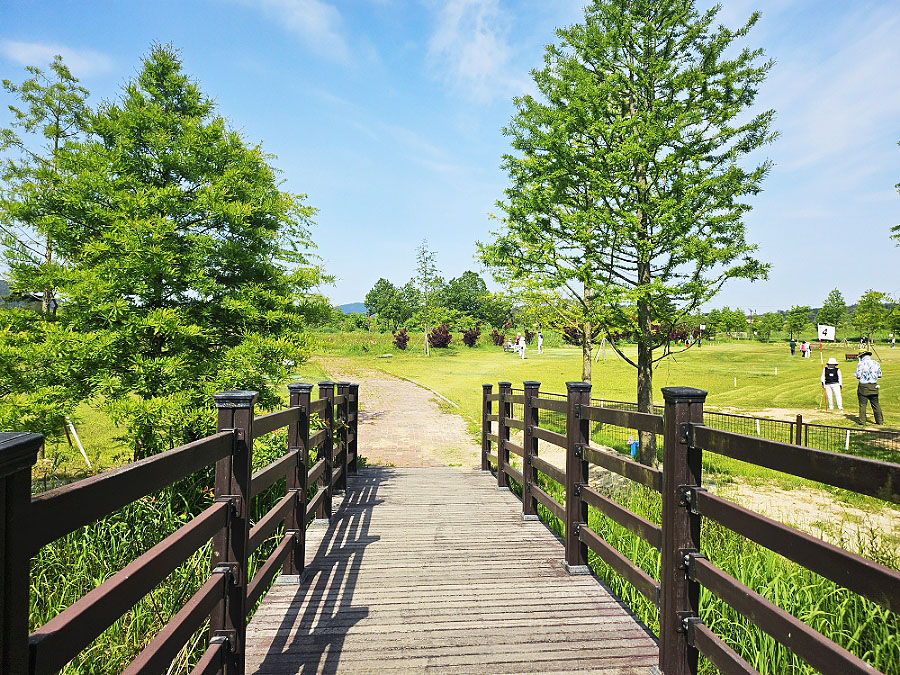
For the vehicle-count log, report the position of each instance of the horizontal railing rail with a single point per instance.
(683, 567)
(227, 596)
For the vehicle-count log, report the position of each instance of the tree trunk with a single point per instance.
(645, 381)
(586, 349)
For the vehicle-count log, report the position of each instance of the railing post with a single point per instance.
(485, 426)
(343, 389)
(505, 389)
(354, 426)
(18, 453)
(680, 529)
(578, 437)
(530, 444)
(229, 619)
(799, 439)
(298, 439)
(326, 450)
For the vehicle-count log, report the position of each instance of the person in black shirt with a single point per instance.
(832, 382)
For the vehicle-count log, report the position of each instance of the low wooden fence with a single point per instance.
(684, 568)
(28, 523)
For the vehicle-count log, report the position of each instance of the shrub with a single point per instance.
(498, 338)
(470, 337)
(529, 336)
(440, 337)
(401, 339)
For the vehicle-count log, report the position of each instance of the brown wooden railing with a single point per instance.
(28, 523)
(684, 568)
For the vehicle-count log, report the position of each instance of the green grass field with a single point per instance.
(747, 377)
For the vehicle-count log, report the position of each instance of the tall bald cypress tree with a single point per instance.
(628, 181)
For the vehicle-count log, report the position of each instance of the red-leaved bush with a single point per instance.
(497, 338)
(401, 339)
(440, 337)
(470, 337)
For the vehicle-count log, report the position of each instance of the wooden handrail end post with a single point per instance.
(18, 453)
(504, 408)
(298, 437)
(679, 597)
(235, 412)
(578, 437)
(485, 427)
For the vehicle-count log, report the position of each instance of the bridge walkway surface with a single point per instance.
(435, 570)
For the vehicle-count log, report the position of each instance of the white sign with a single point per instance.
(825, 332)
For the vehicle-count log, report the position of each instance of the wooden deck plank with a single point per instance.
(434, 570)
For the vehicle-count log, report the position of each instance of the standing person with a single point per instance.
(832, 381)
(540, 342)
(803, 349)
(522, 346)
(793, 346)
(893, 341)
(868, 372)
(516, 342)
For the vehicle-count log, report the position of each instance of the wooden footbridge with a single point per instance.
(432, 570)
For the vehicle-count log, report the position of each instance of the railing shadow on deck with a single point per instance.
(312, 633)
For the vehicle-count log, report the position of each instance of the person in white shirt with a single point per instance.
(521, 342)
(832, 381)
(540, 342)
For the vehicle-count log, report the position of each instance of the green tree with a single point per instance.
(871, 314)
(834, 309)
(466, 294)
(629, 188)
(184, 259)
(428, 283)
(797, 319)
(381, 300)
(768, 323)
(53, 112)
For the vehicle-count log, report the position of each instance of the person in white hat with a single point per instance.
(832, 382)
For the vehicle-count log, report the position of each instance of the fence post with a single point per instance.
(229, 619)
(326, 450)
(485, 426)
(799, 440)
(343, 389)
(680, 529)
(578, 436)
(530, 445)
(18, 453)
(298, 439)
(505, 389)
(354, 426)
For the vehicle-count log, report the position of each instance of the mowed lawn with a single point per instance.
(741, 377)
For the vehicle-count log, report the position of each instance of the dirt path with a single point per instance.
(400, 424)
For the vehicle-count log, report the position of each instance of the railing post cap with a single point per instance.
(299, 387)
(531, 384)
(342, 384)
(235, 399)
(354, 385)
(18, 451)
(504, 385)
(326, 383)
(487, 386)
(683, 395)
(578, 386)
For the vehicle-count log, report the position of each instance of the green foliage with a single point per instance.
(871, 314)
(797, 319)
(183, 261)
(628, 190)
(53, 113)
(834, 309)
(768, 323)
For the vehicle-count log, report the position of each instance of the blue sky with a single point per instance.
(387, 114)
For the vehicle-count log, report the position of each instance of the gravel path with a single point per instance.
(400, 423)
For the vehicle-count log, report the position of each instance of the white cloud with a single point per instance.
(469, 48)
(318, 24)
(82, 62)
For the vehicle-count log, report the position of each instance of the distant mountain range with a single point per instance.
(353, 308)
